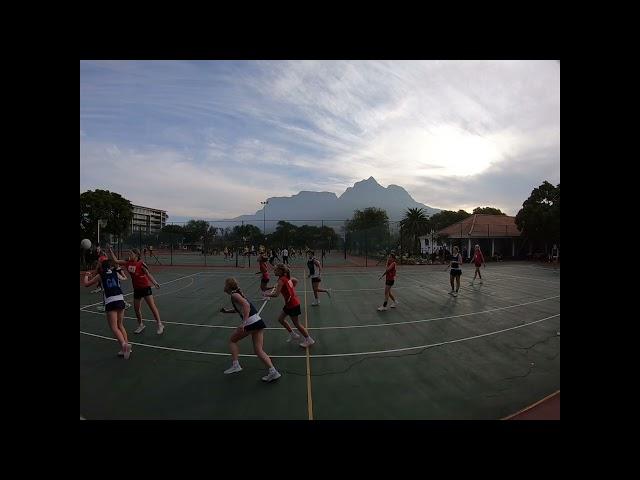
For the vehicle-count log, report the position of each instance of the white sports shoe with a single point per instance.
(394, 304)
(121, 352)
(307, 342)
(140, 328)
(127, 305)
(329, 292)
(160, 329)
(315, 303)
(293, 336)
(383, 308)
(233, 369)
(272, 376)
(126, 351)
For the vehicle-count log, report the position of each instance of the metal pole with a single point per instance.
(345, 240)
(366, 248)
(400, 245)
(322, 253)
(98, 231)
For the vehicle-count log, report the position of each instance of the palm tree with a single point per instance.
(414, 224)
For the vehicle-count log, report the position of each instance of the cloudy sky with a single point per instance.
(211, 139)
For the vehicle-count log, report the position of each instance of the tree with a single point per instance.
(369, 229)
(414, 224)
(445, 218)
(284, 235)
(539, 217)
(109, 207)
(195, 230)
(368, 218)
(252, 233)
(488, 211)
(171, 234)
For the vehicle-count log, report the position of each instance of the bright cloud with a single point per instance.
(213, 139)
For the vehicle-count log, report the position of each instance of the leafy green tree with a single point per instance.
(195, 230)
(109, 207)
(368, 230)
(488, 211)
(539, 217)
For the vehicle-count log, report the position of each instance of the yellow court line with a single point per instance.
(306, 325)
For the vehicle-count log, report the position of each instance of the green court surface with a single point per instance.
(485, 354)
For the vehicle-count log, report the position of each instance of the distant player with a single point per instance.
(264, 270)
(285, 256)
(390, 273)
(455, 270)
(478, 261)
(314, 272)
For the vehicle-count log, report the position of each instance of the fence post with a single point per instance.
(400, 245)
(322, 250)
(366, 248)
(345, 239)
(171, 253)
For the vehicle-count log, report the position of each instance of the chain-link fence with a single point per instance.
(335, 242)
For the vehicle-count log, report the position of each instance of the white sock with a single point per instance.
(235, 363)
(272, 370)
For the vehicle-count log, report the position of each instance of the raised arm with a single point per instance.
(115, 259)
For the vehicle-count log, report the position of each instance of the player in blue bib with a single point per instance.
(109, 277)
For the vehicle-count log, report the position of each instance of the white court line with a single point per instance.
(131, 293)
(353, 326)
(554, 282)
(375, 352)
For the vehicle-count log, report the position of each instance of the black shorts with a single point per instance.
(259, 325)
(390, 282)
(117, 305)
(315, 280)
(141, 292)
(264, 280)
(292, 312)
(456, 273)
